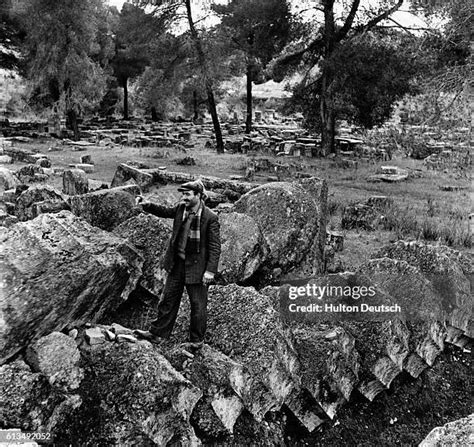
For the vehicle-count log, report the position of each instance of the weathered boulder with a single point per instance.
(95, 185)
(137, 396)
(39, 199)
(29, 173)
(292, 219)
(457, 433)
(125, 172)
(56, 356)
(106, 208)
(26, 400)
(368, 215)
(7, 179)
(7, 219)
(150, 236)
(213, 199)
(75, 181)
(44, 162)
(90, 272)
(243, 247)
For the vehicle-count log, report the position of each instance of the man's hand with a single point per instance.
(207, 278)
(139, 200)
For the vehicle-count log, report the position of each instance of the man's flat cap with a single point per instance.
(195, 186)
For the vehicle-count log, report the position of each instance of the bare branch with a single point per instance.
(375, 21)
(349, 21)
(297, 55)
(406, 28)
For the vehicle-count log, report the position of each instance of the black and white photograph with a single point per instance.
(236, 223)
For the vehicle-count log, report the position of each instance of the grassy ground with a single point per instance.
(421, 210)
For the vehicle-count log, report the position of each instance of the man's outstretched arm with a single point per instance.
(157, 210)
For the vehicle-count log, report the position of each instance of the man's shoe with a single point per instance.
(147, 335)
(194, 345)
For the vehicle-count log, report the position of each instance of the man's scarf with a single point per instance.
(194, 236)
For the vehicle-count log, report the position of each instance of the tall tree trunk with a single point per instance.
(154, 115)
(327, 113)
(125, 98)
(72, 119)
(215, 119)
(70, 112)
(195, 105)
(248, 121)
(328, 116)
(211, 103)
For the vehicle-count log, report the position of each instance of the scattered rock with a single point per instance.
(186, 161)
(26, 400)
(94, 336)
(57, 357)
(124, 173)
(27, 173)
(44, 162)
(118, 329)
(75, 182)
(389, 174)
(457, 433)
(7, 179)
(88, 168)
(38, 200)
(335, 239)
(124, 338)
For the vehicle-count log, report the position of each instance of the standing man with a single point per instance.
(191, 260)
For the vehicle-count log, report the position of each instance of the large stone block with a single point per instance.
(106, 208)
(150, 236)
(58, 270)
(292, 219)
(75, 181)
(39, 199)
(125, 172)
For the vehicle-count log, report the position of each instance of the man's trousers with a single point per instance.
(169, 305)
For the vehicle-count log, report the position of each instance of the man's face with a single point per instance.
(190, 199)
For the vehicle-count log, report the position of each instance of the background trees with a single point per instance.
(352, 65)
(62, 53)
(135, 37)
(368, 73)
(259, 29)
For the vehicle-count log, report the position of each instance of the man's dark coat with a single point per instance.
(209, 245)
